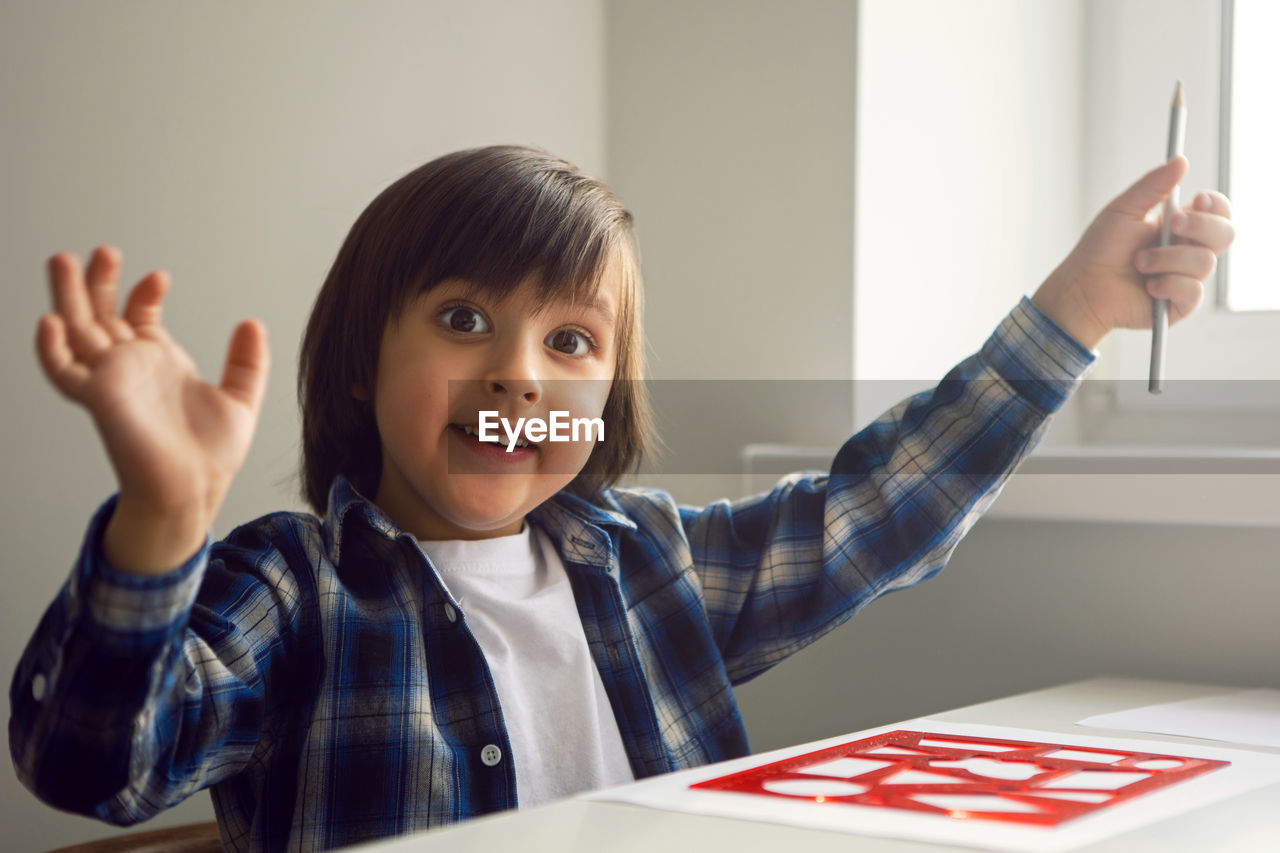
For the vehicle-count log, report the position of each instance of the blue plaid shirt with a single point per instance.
(316, 676)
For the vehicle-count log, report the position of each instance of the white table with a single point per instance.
(1249, 822)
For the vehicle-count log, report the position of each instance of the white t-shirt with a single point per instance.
(517, 601)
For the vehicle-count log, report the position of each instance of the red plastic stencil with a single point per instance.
(1027, 782)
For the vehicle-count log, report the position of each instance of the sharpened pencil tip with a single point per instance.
(1177, 96)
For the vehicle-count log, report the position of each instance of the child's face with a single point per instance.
(448, 356)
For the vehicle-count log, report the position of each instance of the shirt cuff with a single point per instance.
(131, 604)
(1039, 360)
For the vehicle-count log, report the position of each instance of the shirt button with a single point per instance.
(491, 755)
(38, 686)
(450, 613)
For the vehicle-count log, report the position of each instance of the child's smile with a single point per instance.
(468, 454)
(454, 353)
(469, 437)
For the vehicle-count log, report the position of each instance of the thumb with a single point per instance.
(244, 376)
(1151, 189)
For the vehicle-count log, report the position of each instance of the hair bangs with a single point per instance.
(544, 226)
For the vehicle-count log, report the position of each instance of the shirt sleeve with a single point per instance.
(779, 570)
(137, 691)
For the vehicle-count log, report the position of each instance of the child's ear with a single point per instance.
(360, 392)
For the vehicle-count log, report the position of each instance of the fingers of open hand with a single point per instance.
(82, 332)
(145, 306)
(100, 282)
(244, 376)
(57, 359)
(85, 324)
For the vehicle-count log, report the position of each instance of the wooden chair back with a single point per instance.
(191, 838)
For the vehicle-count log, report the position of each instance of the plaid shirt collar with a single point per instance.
(576, 526)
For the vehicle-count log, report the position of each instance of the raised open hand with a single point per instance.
(175, 441)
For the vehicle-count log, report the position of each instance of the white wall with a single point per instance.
(968, 177)
(234, 145)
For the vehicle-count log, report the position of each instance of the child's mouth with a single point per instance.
(470, 436)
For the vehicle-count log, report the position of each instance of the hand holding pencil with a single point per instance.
(1117, 270)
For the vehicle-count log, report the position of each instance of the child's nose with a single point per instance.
(513, 373)
(530, 390)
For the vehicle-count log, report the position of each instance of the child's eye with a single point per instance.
(463, 319)
(570, 342)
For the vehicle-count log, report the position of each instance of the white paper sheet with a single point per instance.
(671, 792)
(1247, 716)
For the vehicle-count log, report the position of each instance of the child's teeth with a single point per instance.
(470, 430)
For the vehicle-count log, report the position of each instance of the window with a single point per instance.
(1135, 51)
(1204, 452)
(1251, 136)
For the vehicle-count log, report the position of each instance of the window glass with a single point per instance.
(1252, 282)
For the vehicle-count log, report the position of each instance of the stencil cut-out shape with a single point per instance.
(1098, 780)
(1077, 796)
(893, 750)
(1158, 764)
(920, 777)
(845, 767)
(962, 744)
(812, 787)
(1085, 755)
(1018, 771)
(976, 803)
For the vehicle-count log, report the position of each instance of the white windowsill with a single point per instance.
(1193, 486)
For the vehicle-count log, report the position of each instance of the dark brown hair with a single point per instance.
(493, 217)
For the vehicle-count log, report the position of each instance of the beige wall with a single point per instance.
(730, 134)
(968, 177)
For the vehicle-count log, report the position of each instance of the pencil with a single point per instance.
(1160, 309)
